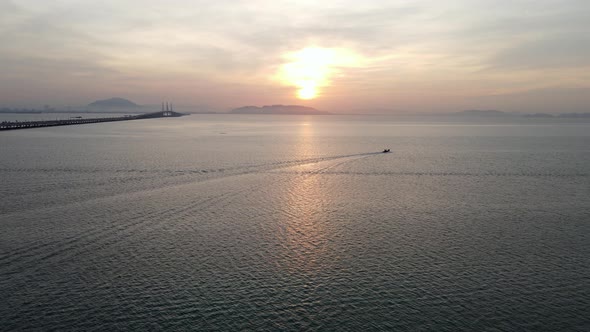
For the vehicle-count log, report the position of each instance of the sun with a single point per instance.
(307, 91)
(311, 68)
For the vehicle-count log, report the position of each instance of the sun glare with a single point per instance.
(311, 68)
(307, 91)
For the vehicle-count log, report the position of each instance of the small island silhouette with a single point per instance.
(277, 109)
(496, 113)
(482, 113)
(114, 102)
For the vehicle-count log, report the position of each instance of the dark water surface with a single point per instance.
(216, 222)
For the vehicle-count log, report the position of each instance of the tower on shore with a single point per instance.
(167, 109)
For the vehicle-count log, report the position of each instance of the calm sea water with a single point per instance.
(218, 222)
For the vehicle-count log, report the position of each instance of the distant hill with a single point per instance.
(494, 113)
(538, 115)
(575, 115)
(277, 109)
(482, 113)
(114, 103)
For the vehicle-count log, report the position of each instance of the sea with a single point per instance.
(217, 222)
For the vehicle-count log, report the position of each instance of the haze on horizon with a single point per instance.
(345, 56)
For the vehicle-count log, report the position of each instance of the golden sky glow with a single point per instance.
(383, 56)
(310, 69)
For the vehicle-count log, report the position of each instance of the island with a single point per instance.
(115, 102)
(278, 109)
(495, 113)
(481, 113)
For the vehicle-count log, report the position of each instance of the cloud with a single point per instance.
(410, 44)
(560, 51)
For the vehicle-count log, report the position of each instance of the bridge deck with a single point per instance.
(11, 125)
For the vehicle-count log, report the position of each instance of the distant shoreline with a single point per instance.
(463, 114)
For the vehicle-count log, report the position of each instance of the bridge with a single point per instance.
(11, 125)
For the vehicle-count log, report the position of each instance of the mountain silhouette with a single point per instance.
(277, 109)
(114, 103)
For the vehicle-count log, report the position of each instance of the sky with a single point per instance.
(372, 56)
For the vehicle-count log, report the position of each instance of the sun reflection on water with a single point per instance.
(304, 232)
